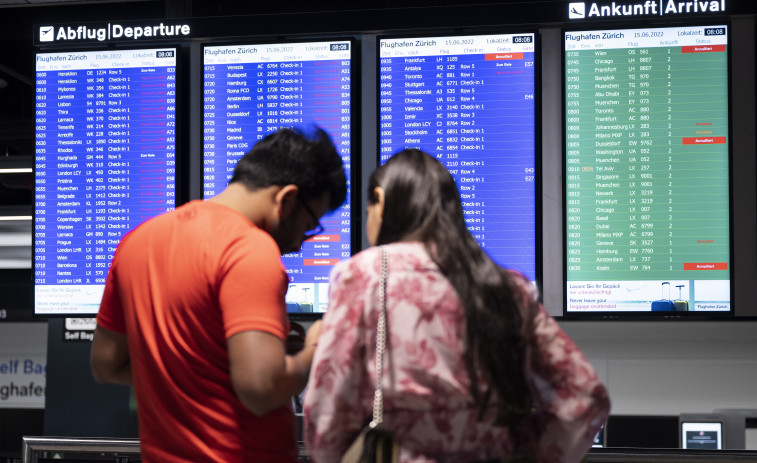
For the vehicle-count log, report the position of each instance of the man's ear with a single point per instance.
(285, 200)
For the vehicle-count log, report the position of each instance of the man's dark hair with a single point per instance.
(292, 157)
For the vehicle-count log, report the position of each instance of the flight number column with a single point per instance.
(645, 146)
(465, 153)
(268, 99)
(99, 139)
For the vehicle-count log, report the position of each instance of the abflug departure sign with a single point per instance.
(112, 31)
(597, 10)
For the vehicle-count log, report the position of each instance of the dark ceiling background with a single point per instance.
(17, 18)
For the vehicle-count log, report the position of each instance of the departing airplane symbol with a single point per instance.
(46, 34)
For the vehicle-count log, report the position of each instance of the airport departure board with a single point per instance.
(105, 161)
(253, 90)
(469, 101)
(647, 170)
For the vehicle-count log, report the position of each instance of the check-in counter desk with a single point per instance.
(635, 455)
(50, 449)
(84, 449)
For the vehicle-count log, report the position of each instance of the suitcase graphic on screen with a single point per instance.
(664, 305)
(681, 304)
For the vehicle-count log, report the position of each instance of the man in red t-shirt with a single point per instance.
(193, 313)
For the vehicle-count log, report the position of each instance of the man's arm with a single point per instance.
(263, 376)
(109, 359)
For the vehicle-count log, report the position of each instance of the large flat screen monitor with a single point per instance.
(252, 90)
(105, 161)
(647, 172)
(470, 101)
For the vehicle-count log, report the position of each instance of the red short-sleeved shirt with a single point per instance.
(179, 286)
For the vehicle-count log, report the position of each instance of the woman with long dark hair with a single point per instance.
(474, 369)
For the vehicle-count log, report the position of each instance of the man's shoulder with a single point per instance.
(210, 226)
(217, 219)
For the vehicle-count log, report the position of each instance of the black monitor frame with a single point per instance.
(355, 164)
(179, 166)
(482, 31)
(647, 315)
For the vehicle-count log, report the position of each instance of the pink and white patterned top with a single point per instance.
(426, 398)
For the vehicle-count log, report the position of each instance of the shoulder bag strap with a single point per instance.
(378, 397)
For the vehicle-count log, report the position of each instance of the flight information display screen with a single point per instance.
(647, 170)
(253, 90)
(105, 161)
(469, 101)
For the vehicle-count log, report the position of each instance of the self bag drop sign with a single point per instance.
(22, 381)
(108, 32)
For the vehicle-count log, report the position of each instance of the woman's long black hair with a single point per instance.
(422, 203)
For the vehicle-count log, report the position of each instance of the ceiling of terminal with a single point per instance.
(17, 20)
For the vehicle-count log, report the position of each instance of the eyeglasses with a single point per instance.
(318, 228)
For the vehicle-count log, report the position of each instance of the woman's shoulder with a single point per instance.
(402, 255)
(361, 259)
(518, 277)
(364, 267)
(522, 286)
